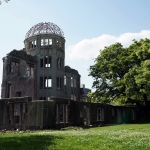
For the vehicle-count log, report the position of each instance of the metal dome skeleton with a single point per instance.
(44, 28)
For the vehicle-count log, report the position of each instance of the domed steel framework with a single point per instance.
(44, 28)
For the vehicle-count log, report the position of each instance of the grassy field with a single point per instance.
(119, 137)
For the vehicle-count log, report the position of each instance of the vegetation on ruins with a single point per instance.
(124, 137)
(122, 75)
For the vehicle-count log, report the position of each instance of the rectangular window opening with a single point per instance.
(100, 114)
(16, 112)
(9, 90)
(42, 42)
(71, 81)
(50, 42)
(46, 42)
(30, 70)
(47, 61)
(14, 66)
(62, 111)
(65, 80)
(48, 82)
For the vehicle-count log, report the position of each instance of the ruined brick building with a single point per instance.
(38, 70)
(39, 91)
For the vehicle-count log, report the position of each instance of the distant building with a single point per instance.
(84, 92)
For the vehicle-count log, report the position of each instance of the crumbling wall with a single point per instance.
(72, 87)
(18, 75)
(40, 114)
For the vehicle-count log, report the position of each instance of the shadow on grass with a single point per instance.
(27, 142)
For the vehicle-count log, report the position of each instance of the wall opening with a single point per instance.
(62, 113)
(59, 82)
(60, 63)
(16, 112)
(71, 81)
(42, 98)
(65, 80)
(14, 66)
(100, 114)
(30, 70)
(45, 82)
(46, 61)
(9, 90)
(58, 44)
(48, 82)
(32, 44)
(46, 42)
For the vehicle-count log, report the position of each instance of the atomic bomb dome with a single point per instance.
(38, 70)
(44, 28)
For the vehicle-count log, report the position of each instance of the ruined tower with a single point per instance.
(42, 62)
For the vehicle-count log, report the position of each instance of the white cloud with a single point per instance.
(89, 48)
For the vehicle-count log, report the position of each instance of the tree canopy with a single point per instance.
(5, 1)
(123, 74)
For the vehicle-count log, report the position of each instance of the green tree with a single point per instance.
(5, 1)
(123, 74)
(92, 96)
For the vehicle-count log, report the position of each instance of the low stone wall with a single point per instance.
(24, 113)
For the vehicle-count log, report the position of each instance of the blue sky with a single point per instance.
(88, 26)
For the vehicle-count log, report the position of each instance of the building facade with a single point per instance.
(38, 70)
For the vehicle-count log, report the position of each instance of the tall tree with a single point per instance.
(123, 74)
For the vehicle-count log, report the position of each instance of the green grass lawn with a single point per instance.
(119, 137)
